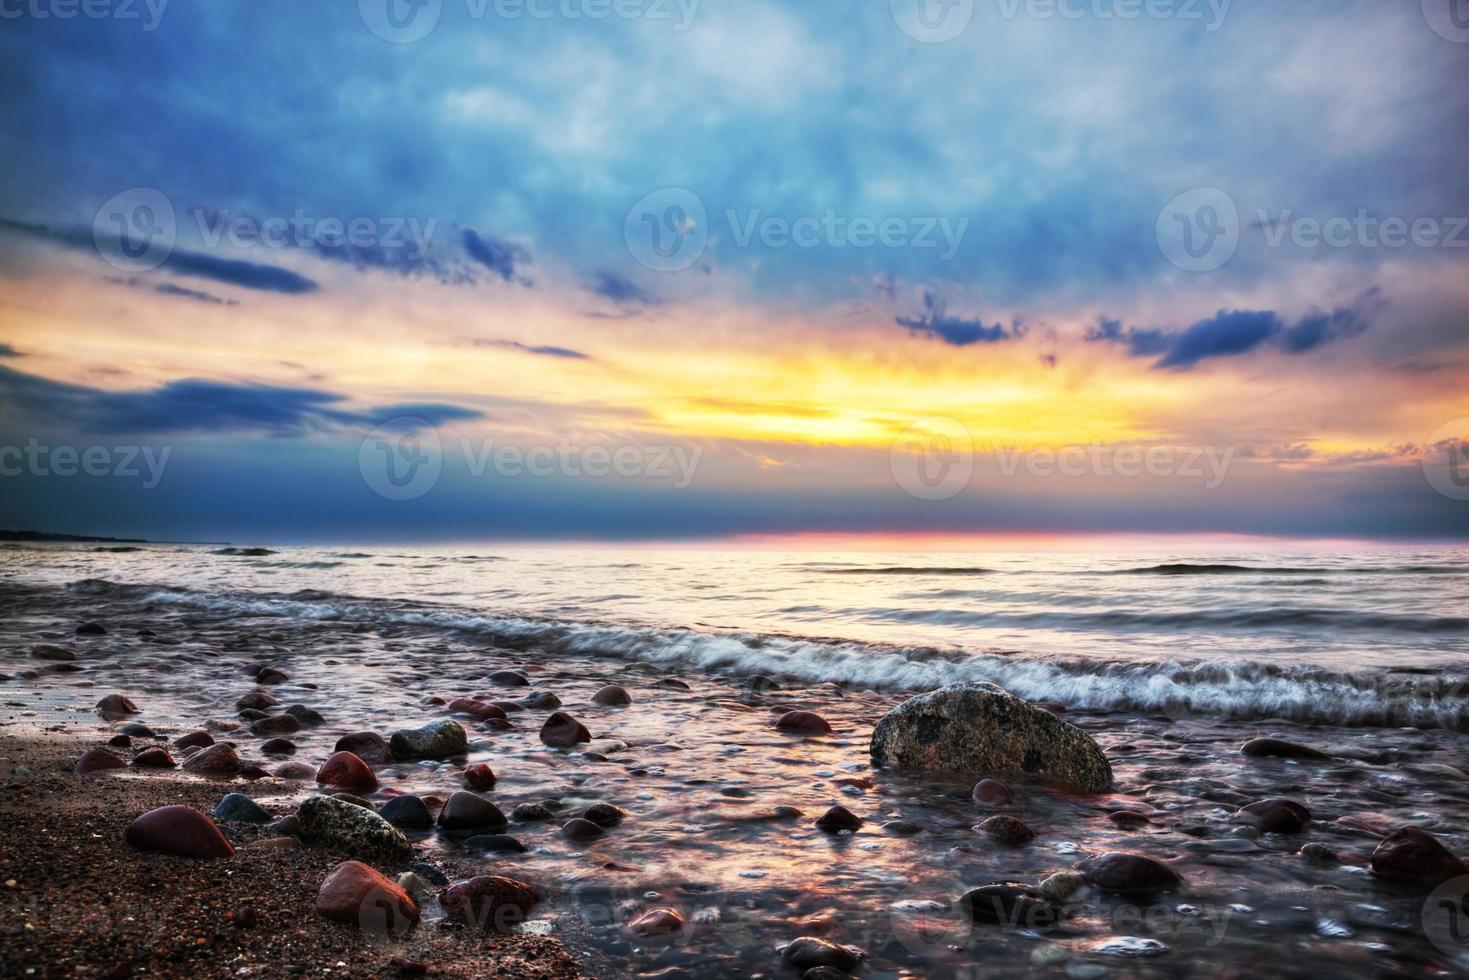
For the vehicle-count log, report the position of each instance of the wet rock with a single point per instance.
(218, 761)
(1277, 748)
(1131, 947)
(346, 770)
(239, 807)
(271, 675)
(811, 952)
(1318, 853)
(1129, 873)
(675, 683)
(1415, 857)
(276, 725)
(1011, 904)
(978, 730)
(826, 973)
(288, 825)
(55, 654)
(252, 715)
(244, 917)
(498, 843)
(436, 740)
(479, 709)
(194, 740)
(466, 811)
(370, 747)
(581, 829)
(429, 873)
(479, 776)
(407, 812)
(154, 758)
(803, 723)
(1062, 885)
(614, 695)
(1128, 819)
(354, 800)
(180, 830)
(759, 682)
(656, 923)
(992, 792)
(357, 895)
(137, 730)
(115, 707)
(491, 903)
(541, 700)
(530, 813)
(509, 678)
(901, 828)
(1275, 816)
(307, 717)
(279, 746)
(605, 814)
(332, 824)
(563, 731)
(295, 770)
(91, 629)
(838, 819)
(253, 771)
(120, 741)
(415, 885)
(1007, 830)
(256, 701)
(407, 967)
(98, 760)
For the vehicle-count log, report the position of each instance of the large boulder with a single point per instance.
(977, 730)
(178, 830)
(349, 829)
(436, 740)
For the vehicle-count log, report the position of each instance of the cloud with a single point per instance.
(622, 291)
(8, 351)
(956, 331)
(544, 350)
(200, 405)
(500, 257)
(172, 289)
(1230, 333)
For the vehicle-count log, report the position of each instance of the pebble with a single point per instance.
(1275, 816)
(499, 843)
(238, 806)
(116, 707)
(415, 885)
(901, 828)
(1007, 830)
(1416, 857)
(120, 741)
(992, 792)
(180, 830)
(563, 731)
(604, 814)
(1276, 748)
(308, 717)
(838, 819)
(810, 952)
(46, 651)
(1062, 885)
(1131, 947)
(346, 770)
(295, 770)
(1129, 873)
(580, 829)
(489, 902)
(257, 701)
(276, 725)
(98, 760)
(201, 740)
(530, 813)
(479, 709)
(332, 824)
(436, 740)
(1049, 954)
(1011, 904)
(279, 746)
(656, 923)
(614, 695)
(137, 730)
(357, 895)
(479, 776)
(541, 700)
(370, 747)
(803, 723)
(509, 678)
(218, 761)
(91, 629)
(1318, 853)
(154, 758)
(466, 811)
(407, 812)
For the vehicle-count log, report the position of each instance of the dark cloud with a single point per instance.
(544, 350)
(198, 405)
(173, 289)
(500, 257)
(957, 331)
(8, 351)
(1230, 333)
(622, 291)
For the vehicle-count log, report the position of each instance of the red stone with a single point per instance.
(201, 739)
(295, 770)
(367, 746)
(803, 723)
(613, 694)
(473, 706)
(279, 746)
(479, 776)
(357, 895)
(563, 731)
(219, 761)
(178, 830)
(992, 792)
(347, 770)
(98, 760)
(154, 758)
(655, 923)
(489, 902)
(1415, 856)
(116, 706)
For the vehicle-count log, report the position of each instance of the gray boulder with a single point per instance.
(436, 740)
(349, 829)
(978, 730)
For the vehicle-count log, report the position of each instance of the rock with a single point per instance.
(279, 746)
(370, 747)
(91, 629)
(308, 717)
(581, 829)
(407, 812)
(295, 770)
(489, 902)
(346, 770)
(541, 700)
(436, 740)
(675, 683)
(563, 731)
(509, 678)
(530, 813)
(978, 730)
(137, 730)
(354, 800)
(811, 952)
(605, 814)
(1128, 873)
(253, 771)
(46, 651)
(1318, 853)
(479, 776)
(244, 917)
(407, 967)
(901, 828)
(1276, 748)
(1128, 819)
(1416, 857)
(276, 725)
(332, 824)
(116, 706)
(992, 792)
(355, 894)
(499, 843)
(803, 723)
(1012, 905)
(178, 830)
(466, 811)
(1275, 816)
(271, 675)
(251, 715)
(256, 700)
(219, 761)
(415, 885)
(838, 819)
(154, 758)
(477, 708)
(98, 760)
(120, 741)
(287, 825)
(429, 873)
(1007, 830)
(1062, 885)
(194, 739)
(239, 807)
(656, 923)
(614, 695)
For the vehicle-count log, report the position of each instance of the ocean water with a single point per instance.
(1359, 636)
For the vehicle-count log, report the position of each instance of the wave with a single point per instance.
(1222, 569)
(1120, 620)
(900, 570)
(1240, 689)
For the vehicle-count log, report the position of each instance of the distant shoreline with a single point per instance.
(74, 538)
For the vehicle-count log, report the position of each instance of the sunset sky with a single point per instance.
(1037, 182)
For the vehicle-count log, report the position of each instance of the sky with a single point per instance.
(704, 269)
